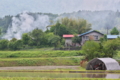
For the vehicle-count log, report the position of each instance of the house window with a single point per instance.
(83, 37)
(96, 37)
(86, 37)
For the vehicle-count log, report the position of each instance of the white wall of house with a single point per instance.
(68, 41)
(91, 36)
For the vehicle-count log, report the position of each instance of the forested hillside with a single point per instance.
(100, 20)
(26, 22)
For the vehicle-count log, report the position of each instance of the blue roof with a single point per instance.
(112, 36)
(88, 32)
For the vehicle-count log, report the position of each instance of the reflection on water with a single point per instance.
(113, 76)
(108, 76)
(96, 75)
(60, 75)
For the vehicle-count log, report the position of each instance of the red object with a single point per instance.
(68, 35)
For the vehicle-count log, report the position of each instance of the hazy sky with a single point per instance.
(13, 7)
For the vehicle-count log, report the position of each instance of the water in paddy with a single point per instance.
(60, 75)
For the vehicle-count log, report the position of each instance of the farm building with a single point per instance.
(68, 40)
(110, 37)
(91, 35)
(103, 64)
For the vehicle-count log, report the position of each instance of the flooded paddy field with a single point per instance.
(60, 74)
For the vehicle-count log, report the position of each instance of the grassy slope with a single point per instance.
(39, 61)
(39, 57)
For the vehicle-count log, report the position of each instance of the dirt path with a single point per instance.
(39, 67)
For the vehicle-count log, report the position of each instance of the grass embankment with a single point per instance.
(39, 61)
(38, 53)
(31, 78)
(42, 57)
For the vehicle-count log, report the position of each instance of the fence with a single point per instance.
(70, 48)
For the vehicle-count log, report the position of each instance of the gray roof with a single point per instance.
(112, 36)
(111, 64)
(90, 32)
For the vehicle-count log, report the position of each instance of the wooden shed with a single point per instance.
(103, 64)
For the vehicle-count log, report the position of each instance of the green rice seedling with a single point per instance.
(36, 78)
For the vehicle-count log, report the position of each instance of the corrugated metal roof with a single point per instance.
(111, 64)
(68, 35)
(89, 32)
(112, 36)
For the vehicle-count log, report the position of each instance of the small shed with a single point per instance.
(112, 36)
(103, 64)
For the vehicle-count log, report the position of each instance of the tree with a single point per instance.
(110, 47)
(15, 44)
(104, 38)
(37, 35)
(59, 29)
(3, 44)
(92, 49)
(47, 37)
(114, 31)
(25, 38)
(76, 39)
(55, 40)
(77, 26)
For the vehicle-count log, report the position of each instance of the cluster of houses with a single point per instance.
(90, 35)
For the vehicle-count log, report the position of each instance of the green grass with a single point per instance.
(38, 53)
(53, 76)
(39, 57)
(39, 61)
(37, 78)
(42, 57)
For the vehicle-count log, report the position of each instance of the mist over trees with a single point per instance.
(103, 21)
(52, 37)
(55, 26)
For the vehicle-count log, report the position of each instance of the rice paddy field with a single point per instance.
(24, 78)
(49, 57)
(57, 75)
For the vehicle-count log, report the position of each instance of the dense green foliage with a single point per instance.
(55, 40)
(114, 31)
(91, 50)
(108, 48)
(77, 26)
(59, 29)
(76, 39)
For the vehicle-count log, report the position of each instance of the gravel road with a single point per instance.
(39, 67)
